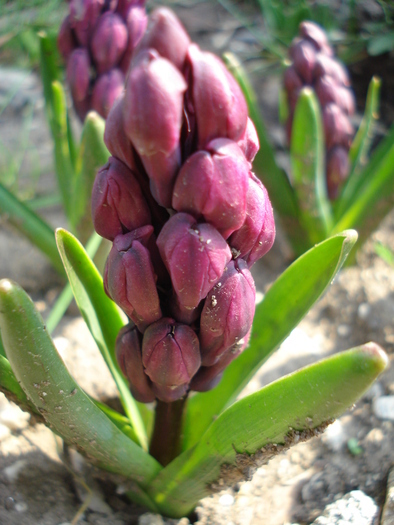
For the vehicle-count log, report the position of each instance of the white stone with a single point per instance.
(4, 432)
(226, 500)
(150, 519)
(14, 418)
(383, 407)
(12, 472)
(355, 508)
(335, 437)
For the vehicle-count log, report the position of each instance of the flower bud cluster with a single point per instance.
(186, 215)
(97, 40)
(314, 64)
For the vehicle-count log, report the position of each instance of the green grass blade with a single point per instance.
(49, 71)
(64, 406)
(284, 305)
(308, 167)
(103, 319)
(92, 155)
(31, 226)
(289, 410)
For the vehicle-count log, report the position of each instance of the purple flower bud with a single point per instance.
(329, 66)
(316, 35)
(171, 357)
(327, 90)
(129, 357)
(257, 234)
(216, 98)
(84, 15)
(213, 183)
(66, 41)
(338, 168)
(118, 205)
(166, 34)
(124, 6)
(153, 116)
(337, 127)
(107, 88)
(114, 136)
(130, 279)
(136, 21)
(292, 80)
(228, 311)
(249, 142)
(209, 376)
(195, 256)
(109, 41)
(78, 74)
(303, 54)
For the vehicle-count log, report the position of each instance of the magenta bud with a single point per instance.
(118, 205)
(216, 98)
(166, 34)
(213, 183)
(328, 90)
(130, 279)
(129, 357)
(171, 357)
(78, 74)
(107, 88)
(153, 116)
(328, 66)
(124, 6)
(228, 311)
(136, 21)
(337, 127)
(338, 168)
(303, 54)
(195, 256)
(84, 15)
(249, 142)
(114, 136)
(109, 41)
(292, 80)
(316, 35)
(208, 377)
(66, 41)
(257, 234)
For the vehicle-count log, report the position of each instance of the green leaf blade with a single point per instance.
(284, 305)
(65, 407)
(300, 402)
(102, 317)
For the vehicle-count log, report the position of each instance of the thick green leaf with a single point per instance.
(92, 155)
(358, 154)
(64, 406)
(264, 165)
(284, 305)
(103, 319)
(308, 167)
(283, 413)
(31, 226)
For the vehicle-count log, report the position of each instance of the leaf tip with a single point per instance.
(377, 355)
(6, 286)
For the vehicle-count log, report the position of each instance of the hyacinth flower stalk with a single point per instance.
(334, 183)
(179, 268)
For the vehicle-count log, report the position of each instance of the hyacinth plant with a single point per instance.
(187, 219)
(334, 182)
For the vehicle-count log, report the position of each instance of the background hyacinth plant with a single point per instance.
(187, 219)
(334, 182)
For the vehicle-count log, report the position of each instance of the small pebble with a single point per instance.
(12, 472)
(150, 519)
(343, 330)
(9, 503)
(21, 507)
(355, 508)
(383, 407)
(335, 436)
(364, 310)
(226, 500)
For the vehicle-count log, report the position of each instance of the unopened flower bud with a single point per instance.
(304, 58)
(78, 73)
(327, 91)
(84, 15)
(153, 116)
(118, 205)
(114, 136)
(171, 357)
(130, 279)
(326, 65)
(107, 88)
(136, 20)
(213, 184)
(124, 5)
(337, 127)
(228, 312)
(216, 98)
(338, 168)
(315, 34)
(129, 357)
(66, 40)
(257, 234)
(249, 142)
(195, 256)
(109, 41)
(166, 34)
